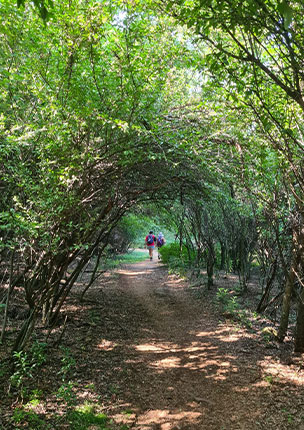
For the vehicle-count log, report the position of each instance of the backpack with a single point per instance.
(150, 239)
(160, 240)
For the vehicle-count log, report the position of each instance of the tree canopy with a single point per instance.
(195, 106)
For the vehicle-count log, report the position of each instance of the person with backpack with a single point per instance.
(160, 242)
(150, 242)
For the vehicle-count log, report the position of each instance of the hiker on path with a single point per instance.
(150, 242)
(160, 242)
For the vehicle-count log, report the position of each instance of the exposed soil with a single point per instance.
(154, 354)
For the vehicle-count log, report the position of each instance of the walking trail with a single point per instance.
(165, 360)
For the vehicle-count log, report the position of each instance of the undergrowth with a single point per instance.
(230, 307)
(76, 417)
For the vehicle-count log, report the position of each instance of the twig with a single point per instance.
(57, 342)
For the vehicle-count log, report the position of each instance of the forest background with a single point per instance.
(116, 115)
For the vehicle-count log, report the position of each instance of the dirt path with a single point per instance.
(168, 363)
(153, 354)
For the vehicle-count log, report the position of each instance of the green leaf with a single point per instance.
(44, 13)
(287, 13)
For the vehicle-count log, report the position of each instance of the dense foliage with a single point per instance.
(76, 103)
(253, 53)
(192, 106)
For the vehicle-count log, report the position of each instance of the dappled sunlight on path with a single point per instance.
(173, 365)
(167, 420)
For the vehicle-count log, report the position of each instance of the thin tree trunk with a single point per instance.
(285, 307)
(210, 264)
(10, 288)
(290, 279)
(265, 296)
(93, 277)
(25, 332)
(67, 288)
(271, 302)
(299, 337)
(223, 256)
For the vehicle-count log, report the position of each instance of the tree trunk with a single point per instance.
(290, 279)
(210, 264)
(223, 256)
(25, 332)
(93, 276)
(242, 265)
(286, 307)
(265, 296)
(10, 289)
(299, 337)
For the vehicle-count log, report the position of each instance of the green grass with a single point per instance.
(28, 419)
(128, 258)
(82, 417)
(85, 417)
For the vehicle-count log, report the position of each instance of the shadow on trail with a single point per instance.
(173, 365)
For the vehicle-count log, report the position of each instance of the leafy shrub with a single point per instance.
(66, 393)
(66, 389)
(38, 352)
(177, 260)
(23, 368)
(85, 416)
(29, 419)
(68, 362)
(231, 307)
(172, 253)
(25, 363)
(227, 302)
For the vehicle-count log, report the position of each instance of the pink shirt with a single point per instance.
(154, 239)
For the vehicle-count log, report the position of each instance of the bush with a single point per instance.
(230, 307)
(131, 231)
(171, 254)
(228, 302)
(26, 362)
